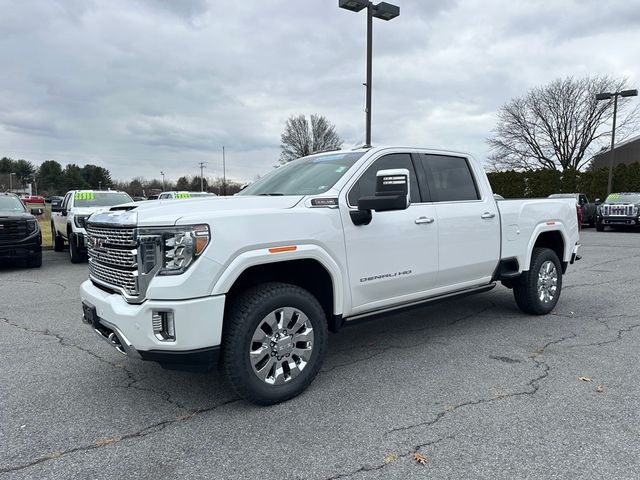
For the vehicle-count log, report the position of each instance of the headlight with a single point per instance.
(80, 220)
(32, 226)
(179, 246)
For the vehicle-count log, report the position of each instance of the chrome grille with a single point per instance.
(125, 279)
(618, 210)
(113, 236)
(113, 258)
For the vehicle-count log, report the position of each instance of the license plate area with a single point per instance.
(90, 315)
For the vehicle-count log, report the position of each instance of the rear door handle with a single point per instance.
(487, 215)
(424, 220)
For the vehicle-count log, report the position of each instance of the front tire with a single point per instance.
(75, 255)
(274, 342)
(35, 261)
(58, 241)
(538, 289)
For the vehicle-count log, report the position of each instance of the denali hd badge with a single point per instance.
(385, 275)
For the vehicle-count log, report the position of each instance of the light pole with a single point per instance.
(99, 185)
(11, 174)
(224, 174)
(163, 187)
(608, 96)
(202, 167)
(384, 11)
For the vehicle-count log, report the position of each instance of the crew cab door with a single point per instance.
(60, 220)
(394, 258)
(468, 221)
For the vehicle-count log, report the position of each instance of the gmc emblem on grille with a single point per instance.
(97, 243)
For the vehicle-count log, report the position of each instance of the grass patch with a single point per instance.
(44, 221)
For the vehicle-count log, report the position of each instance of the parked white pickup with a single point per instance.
(257, 280)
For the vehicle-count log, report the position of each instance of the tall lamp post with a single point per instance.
(609, 96)
(11, 174)
(383, 11)
(163, 187)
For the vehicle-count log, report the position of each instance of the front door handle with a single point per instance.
(424, 220)
(487, 215)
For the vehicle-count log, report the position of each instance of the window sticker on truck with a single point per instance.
(183, 195)
(84, 196)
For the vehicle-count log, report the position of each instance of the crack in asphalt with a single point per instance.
(618, 337)
(143, 432)
(533, 387)
(36, 282)
(131, 377)
(373, 468)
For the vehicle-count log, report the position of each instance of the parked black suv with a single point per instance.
(20, 236)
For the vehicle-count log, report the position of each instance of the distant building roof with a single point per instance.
(626, 152)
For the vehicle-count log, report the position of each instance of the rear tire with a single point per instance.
(263, 323)
(538, 289)
(58, 241)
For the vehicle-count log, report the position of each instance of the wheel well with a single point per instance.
(552, 240)
(305, 273)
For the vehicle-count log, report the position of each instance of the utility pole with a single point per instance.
(11, 174)
(202, 167)
(224, 174)
(99, 185)
(163, 185)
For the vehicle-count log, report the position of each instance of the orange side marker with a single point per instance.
(291, 248)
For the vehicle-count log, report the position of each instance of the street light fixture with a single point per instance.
(609, 96)
(383, 11)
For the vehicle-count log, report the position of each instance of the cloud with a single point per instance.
(148, 85)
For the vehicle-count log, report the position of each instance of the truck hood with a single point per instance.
(169, 212)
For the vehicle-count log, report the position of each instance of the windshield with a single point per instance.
(623, 198)
(100, 199)
(9, 203)
(306, 176)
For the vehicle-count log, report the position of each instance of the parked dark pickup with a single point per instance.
(20, 236)
(619, 210)
(588, 209)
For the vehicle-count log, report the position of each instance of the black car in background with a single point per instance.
(20, 236)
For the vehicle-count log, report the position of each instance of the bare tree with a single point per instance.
(558, 126)
(302, 138)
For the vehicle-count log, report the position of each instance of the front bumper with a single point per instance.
(21, 249)
(198, 327)
(618, 220)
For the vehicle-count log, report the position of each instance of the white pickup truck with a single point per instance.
(254, 282)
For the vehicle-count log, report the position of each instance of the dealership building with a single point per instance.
(626, 152)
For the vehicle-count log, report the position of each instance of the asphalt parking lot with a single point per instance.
(478, 389)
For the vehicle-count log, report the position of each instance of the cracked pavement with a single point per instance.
(477, 388)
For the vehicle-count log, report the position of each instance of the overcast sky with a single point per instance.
(139, 86)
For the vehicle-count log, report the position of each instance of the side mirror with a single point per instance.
(392, 192)
(598, 201)
(56, 206)
(36, 211)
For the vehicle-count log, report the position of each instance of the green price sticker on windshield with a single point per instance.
(84, 196)
(613, 196)
(183, 195)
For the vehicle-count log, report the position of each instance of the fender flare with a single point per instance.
(545, 228)
(263, 256)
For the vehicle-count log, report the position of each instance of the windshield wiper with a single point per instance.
(272, 194)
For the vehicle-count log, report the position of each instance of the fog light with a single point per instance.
(164, 327)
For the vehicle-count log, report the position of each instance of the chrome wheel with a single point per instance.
(281, 346)
(547, 282)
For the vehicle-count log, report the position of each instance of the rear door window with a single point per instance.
(449, 178)
(366, 184)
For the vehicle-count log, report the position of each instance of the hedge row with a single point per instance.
(541, 183)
